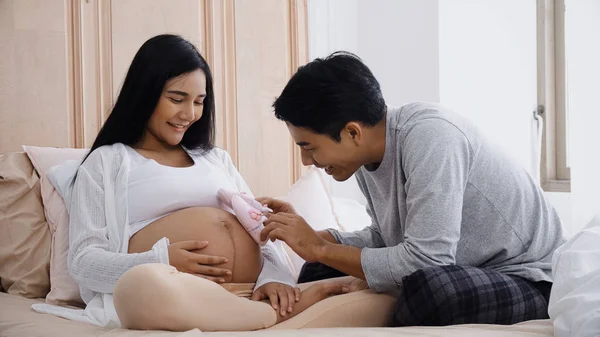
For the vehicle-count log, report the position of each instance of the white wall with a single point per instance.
(488, 68)
(582, 19)
(398, 40)
(488, 73)
(479, 58)
(333, 25)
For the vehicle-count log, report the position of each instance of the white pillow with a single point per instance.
(351, 214)
(310, 199)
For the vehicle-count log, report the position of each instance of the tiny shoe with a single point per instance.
(251, 218)
(226, 197)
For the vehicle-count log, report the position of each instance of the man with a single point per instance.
(459, 232)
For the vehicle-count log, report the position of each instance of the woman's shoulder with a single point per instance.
(212, 155)
(221, 154)
(106, 154)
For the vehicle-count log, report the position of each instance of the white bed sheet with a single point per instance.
(575, 299)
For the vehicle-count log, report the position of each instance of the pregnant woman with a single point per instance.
(150, 245)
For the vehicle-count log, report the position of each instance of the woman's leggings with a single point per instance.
(158, 297)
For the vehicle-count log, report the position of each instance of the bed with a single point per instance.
(32, 258)
(18, 320)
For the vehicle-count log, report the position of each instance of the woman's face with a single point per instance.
(180, 105)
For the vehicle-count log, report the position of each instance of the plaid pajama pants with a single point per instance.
(459, 295)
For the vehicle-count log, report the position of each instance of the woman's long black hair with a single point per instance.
(160, 59)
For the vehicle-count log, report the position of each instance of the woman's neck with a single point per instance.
(150, 143)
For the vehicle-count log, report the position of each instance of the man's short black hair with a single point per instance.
(326, 94)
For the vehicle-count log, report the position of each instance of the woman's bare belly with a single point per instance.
(225, 235)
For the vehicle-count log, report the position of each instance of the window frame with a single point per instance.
(555, 175)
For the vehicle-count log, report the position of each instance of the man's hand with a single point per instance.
(278, 206)
(294, 230)
(280, 295)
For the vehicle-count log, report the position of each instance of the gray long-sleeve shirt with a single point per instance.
(445, 195)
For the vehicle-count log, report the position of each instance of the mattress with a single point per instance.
(18, 320)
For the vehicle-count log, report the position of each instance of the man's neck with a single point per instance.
(375, 149)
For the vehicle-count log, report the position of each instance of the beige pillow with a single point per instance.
(24, 234)
(63, 289)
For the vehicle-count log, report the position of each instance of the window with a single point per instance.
(552, 95)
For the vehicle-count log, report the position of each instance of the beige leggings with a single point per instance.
(158, 297)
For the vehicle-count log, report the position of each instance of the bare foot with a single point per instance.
(322, 290)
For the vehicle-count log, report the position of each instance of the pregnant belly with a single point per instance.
(225, 235)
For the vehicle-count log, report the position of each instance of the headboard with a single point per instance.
(64, 61)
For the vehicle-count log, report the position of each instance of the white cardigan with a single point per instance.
(96, 195)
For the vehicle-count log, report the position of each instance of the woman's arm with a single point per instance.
(93, 259)
(275, 267)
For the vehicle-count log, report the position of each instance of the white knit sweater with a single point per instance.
(96, 193)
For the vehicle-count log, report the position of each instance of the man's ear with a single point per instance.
(354, 131)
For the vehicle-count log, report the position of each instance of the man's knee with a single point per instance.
(456, 295)
(429, 297)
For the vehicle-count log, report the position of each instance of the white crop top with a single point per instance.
(155, 190)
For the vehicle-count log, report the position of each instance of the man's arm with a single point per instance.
(436, 159)
(343, 258)
(326, 235)
(366, 237)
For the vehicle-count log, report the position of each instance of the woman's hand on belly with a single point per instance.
(182, 258)
(226, 239)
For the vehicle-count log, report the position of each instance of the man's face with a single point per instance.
(340, 160)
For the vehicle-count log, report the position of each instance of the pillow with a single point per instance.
(63, 289)
(351, 214)
(24, 234)
(348, 189)
(310, 199)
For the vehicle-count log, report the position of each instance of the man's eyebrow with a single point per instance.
(182, 93)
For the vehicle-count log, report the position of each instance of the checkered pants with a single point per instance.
(460, 295)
